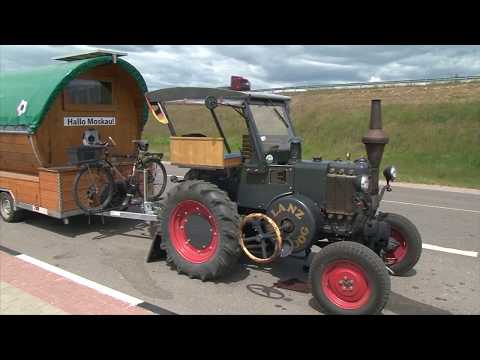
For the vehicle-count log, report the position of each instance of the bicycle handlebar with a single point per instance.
(107, 143)
(112, 141)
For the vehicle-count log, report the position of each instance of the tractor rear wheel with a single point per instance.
(348, 278)
(200, 230)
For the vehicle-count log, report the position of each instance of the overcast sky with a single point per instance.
(269, 66)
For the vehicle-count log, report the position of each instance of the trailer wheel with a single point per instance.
(406, 255)
(200, 230)
(348, 278)
(7, 209)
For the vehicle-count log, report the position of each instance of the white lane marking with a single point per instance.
(82, 281)
(178, 176)
(450, 250)
(431, 206)
(450, 189)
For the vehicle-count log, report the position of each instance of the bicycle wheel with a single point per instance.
(156, 181)
(93, 188)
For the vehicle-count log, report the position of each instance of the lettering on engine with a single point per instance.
(291, 208)
(295, 215)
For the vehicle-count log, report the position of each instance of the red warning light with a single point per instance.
(239, 83)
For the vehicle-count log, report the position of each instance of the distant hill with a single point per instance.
(434, 130)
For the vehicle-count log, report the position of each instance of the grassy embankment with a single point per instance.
(434, 131)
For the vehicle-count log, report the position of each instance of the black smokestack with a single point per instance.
(375, 140)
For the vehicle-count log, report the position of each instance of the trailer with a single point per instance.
(45, 111)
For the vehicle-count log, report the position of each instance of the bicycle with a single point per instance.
(94, 187)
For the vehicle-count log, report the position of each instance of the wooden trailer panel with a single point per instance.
(17, 154)
(24, 188)
(56, 187)
(50, 190)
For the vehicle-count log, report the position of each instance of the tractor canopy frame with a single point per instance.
(238, 100)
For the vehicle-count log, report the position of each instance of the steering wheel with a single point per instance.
(107, 143)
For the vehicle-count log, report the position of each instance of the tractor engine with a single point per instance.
(336, 200)
(352, 192)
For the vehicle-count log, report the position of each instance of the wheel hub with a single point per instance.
(193, 231)
(346, 285)
(287, 226)
(398, 250)
(198, 230)
(91, 192)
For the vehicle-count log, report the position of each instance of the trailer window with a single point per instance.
(88, 92)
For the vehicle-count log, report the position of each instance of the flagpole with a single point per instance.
(163, 109)
(169, 123)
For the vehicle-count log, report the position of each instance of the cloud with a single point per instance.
(374, 79)
(269, 66)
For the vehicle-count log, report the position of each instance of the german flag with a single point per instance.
(158, 114)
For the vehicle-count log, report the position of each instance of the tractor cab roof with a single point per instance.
(197, 95)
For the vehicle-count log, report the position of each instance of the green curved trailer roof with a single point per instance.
(40, 86)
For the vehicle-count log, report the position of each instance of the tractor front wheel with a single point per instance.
(348, 278)
(200, 230)
(406, 254)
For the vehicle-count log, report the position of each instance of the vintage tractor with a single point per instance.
(267, 202)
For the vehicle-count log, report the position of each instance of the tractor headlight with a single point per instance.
(362, 183)
(390, 173)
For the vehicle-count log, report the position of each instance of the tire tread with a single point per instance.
(226, 213)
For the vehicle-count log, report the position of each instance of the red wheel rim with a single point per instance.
(346, 285)
(398, 254)
(179, 237)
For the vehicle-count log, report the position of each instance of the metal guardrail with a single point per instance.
(418, 82)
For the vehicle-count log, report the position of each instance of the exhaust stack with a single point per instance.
(375, 140)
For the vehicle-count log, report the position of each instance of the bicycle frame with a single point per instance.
(141, 155)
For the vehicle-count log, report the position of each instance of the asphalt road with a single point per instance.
(114, 253)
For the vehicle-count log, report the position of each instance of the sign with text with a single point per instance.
(89, 121)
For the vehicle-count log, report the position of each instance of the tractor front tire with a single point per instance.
(199, 228)
(348, 278)
(408, 252)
